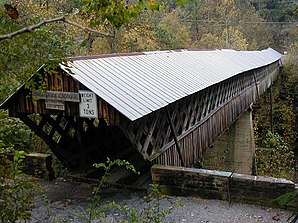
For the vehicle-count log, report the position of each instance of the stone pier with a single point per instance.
(234, 151)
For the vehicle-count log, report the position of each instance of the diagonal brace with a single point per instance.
(174, 135)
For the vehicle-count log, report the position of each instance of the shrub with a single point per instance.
(16, 189)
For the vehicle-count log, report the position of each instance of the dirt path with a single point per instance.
(66, 201)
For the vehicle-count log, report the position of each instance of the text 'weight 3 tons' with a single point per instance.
(88, 104)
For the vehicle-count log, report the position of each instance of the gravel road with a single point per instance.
(66, 201)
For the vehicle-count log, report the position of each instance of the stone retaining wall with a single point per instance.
(212, 184)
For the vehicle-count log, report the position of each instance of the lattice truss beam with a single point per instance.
(78, 142)
(198, 119)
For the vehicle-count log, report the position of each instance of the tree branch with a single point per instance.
(44, 22)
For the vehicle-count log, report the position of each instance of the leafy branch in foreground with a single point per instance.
(154, 213)
(99, 210)
(95, 210)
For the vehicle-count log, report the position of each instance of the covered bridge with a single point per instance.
(164, 107)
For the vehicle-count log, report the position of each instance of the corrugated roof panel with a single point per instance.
(149, 90)
(173, 70)
(153, 88)
(116, 83)
(139, 84)
(134, 87)
(124, 98)
(246, 61)
(219, 68)
(155, 70)
(104, 91)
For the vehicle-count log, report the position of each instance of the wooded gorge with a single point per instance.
(35, 33)
(100, 26)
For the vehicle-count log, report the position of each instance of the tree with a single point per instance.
(281, 19)
(210, 41)
(22, 56)
(281, 143)
(221, 20)
(230, 38)
(171, 32)
(114, 15)
(276, 159)
(138, 37)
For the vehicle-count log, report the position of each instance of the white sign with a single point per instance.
(88, 104)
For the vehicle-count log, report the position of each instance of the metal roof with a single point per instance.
(140, 83)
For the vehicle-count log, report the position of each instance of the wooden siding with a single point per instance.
(22, 102)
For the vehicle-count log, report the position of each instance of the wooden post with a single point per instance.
(271, 110)
(296, 148)
(256, 83)
(174, 135)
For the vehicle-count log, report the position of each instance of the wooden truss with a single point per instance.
(198, 120)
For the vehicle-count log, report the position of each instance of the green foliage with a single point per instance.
(274, 10)
(285, 199)
(276, 159)
(97, 210)
(280, 15)
(181, 2)
(16, 134)
(172, 33)
(288, 199)
(290, 74)
(115, 14)
(284, 93)
(155, 31)
(16, 189)
(227, 24)
(230, 38)
(210, 41)
(107, 168)
(276, 156)
(23, 55)
(283, 96)
(234, 39)
(154, 213)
